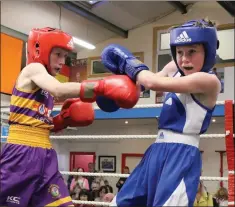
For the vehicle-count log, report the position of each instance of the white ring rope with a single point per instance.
(6, 108)
(127, 175)
(91, 203)
(124, 176)
(66, 137)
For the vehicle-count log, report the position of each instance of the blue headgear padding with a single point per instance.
(196, 32)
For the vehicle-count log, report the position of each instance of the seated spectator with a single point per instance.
(203, 198)
(70, 178)
(102, 192)
(121, 181)
(84, 195)
(221, 197)
(78, 183)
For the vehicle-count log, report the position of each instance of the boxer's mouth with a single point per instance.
(188, 68)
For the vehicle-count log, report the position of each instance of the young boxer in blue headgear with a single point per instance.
(169, 173)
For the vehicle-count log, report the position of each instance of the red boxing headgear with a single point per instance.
(42, 41)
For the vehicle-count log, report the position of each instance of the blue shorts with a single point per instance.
(167, 175)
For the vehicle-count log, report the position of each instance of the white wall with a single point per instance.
(141, 40)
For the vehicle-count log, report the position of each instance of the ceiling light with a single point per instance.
(126, 122)
(213, 120)
(83, 43)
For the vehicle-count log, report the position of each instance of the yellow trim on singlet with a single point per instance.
(29, 136)
(60, 201)
(25, 103)
(28, 120)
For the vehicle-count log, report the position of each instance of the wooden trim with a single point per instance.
(165, 27)
(155, 44)
(223, 65)
(225, 26)
(89, 75)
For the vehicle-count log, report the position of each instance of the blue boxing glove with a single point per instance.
(106, 104)
(120, 61)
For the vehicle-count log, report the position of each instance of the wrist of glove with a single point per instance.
(90, 89)
(119, 60)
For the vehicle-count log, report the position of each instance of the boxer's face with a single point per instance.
(57, 60)
(190, 58)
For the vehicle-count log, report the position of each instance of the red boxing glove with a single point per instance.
(74, 113)
(119, 88)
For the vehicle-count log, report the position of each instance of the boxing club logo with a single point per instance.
(54, 191)
(43, 110)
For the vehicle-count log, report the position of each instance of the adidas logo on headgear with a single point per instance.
(183, 37)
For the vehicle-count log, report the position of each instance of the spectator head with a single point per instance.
(222, 193)
(80, 169)
(84, 195)
(91, 167)
(103, 191)
(95, 186)
(126, 170)
(106, 182)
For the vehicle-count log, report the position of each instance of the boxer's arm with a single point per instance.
(38, 74)
(195, 83)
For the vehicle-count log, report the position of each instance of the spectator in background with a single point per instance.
(91, 169)
(203, 198)
(95, 186)
(84, 195)
(110, 188)
(70, 178)
(102, 192)
(78, 183)
(221, 197)
(121, 181)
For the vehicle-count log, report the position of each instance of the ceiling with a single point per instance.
(122, 16)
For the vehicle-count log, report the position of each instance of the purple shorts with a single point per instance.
(30, 177)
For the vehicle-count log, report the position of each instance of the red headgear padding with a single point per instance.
(42, 41)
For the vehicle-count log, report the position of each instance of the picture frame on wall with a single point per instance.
(107, 163)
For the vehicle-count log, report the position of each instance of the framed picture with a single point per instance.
(107, 163)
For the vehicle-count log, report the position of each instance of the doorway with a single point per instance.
(131, 160)
(81, 159)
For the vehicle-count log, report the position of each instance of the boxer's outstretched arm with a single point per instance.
(38, 74)
(195, 83)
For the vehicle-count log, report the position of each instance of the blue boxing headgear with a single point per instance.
(196, 32)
